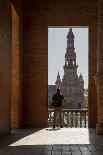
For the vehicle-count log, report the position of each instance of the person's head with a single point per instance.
(58, 90)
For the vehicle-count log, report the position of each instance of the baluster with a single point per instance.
(63, 118)
(85, 118)
(76, 121)
(71, 119)
(50, 118)
(80, 119)
(67, 119)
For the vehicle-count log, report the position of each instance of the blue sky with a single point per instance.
(57, 44)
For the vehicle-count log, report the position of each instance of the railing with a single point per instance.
(70, 118)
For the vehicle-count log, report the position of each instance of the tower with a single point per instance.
(72, 86)
(70, 67)
(58, 81)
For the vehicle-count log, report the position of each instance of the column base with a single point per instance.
(99, 128)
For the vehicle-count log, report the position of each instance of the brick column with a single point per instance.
(99, 76)
(5, 66)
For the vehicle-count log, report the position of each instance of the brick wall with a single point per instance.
(15, 98)
(5, 66)
(37, 17)
(16, 101)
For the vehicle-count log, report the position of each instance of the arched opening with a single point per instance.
(73, 84)
(35, 41)
(35, 55)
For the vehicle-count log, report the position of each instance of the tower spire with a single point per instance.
(58, 81)
(70, 56)
(58, 76)
(70, 29)
(70, 33)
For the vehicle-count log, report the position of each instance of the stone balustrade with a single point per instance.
(77, 118)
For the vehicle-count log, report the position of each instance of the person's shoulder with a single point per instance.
(54, 95)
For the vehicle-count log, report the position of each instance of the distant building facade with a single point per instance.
(51, 92)
(71, 85)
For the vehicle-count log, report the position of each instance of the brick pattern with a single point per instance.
(92, 98)
(100, 37)
(15, 101)
(5, 66)
(37, 18)
(99, 76)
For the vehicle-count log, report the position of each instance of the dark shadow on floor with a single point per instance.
(16, 134)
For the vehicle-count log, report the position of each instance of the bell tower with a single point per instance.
(70, 67)
(72, 86)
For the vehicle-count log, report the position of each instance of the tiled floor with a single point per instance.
(65, 141)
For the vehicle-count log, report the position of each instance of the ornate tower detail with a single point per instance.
(58, 81)
(70, 67)
(72, 86)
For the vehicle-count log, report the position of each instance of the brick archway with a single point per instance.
(39, 17)
(33, 73)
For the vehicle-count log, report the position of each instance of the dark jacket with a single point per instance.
(57, 100)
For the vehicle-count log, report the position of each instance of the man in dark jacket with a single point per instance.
(57, 104)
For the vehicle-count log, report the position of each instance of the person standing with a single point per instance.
(57, 105)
